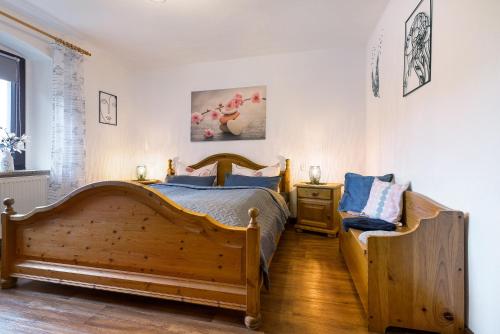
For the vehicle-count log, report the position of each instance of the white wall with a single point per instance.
(444, 138)
(107, 156)
(315, 111)
(110, 152)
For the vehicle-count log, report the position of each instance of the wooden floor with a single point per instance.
(311, 292)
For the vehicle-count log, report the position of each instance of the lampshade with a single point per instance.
(141, 172)
(315, 174)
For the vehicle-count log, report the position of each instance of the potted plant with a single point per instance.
(10, 143)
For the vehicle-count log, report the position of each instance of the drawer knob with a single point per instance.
(315, 194)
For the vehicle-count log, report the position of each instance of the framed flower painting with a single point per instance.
(229, 114)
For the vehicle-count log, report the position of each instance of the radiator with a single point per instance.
(28, 191)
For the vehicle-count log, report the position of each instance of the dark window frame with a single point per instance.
(18, 111)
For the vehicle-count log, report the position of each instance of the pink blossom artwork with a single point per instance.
(231, 105)
(196, 118)
(208, 133)
(256, 97)
(224, 114)
(215, 115)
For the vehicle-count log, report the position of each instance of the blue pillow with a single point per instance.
(272, 182)
(203, 181)
(357, 190)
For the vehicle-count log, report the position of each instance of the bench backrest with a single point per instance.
(417, 207)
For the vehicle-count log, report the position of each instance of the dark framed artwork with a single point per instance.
(418, 48)
(108, 108)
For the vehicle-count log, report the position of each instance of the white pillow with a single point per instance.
(269, 171)
(385, 201)
(183, 169)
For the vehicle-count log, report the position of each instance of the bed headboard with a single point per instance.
(224, 166)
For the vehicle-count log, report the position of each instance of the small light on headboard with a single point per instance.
(141, 172)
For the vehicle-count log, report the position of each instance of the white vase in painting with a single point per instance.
(6, 162)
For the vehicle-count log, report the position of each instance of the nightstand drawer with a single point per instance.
(325, 194)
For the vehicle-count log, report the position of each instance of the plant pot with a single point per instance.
(6, 162)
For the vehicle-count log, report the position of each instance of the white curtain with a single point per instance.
(68, 123)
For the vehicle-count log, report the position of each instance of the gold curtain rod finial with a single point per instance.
(46, 34)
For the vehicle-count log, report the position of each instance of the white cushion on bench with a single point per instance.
(363, 237)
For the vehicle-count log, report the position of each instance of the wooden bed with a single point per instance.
(124, 237)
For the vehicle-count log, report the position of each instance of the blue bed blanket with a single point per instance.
(230, 205)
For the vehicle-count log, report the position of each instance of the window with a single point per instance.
(12, 96)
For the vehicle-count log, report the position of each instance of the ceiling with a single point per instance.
(189, 31)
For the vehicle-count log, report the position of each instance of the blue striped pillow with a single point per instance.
(385, 201)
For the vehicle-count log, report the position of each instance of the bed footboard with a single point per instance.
(124, 237)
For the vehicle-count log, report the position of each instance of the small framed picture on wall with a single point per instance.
(108, 108)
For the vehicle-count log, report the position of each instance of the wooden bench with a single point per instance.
(414, 280)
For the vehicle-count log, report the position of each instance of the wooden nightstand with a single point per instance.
(317, 208)
(147, 182)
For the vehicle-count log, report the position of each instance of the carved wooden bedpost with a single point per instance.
(253, 317)
(287, 178)
(170, 170)
(8, 238)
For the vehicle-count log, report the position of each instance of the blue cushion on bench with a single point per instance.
(357, 190)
